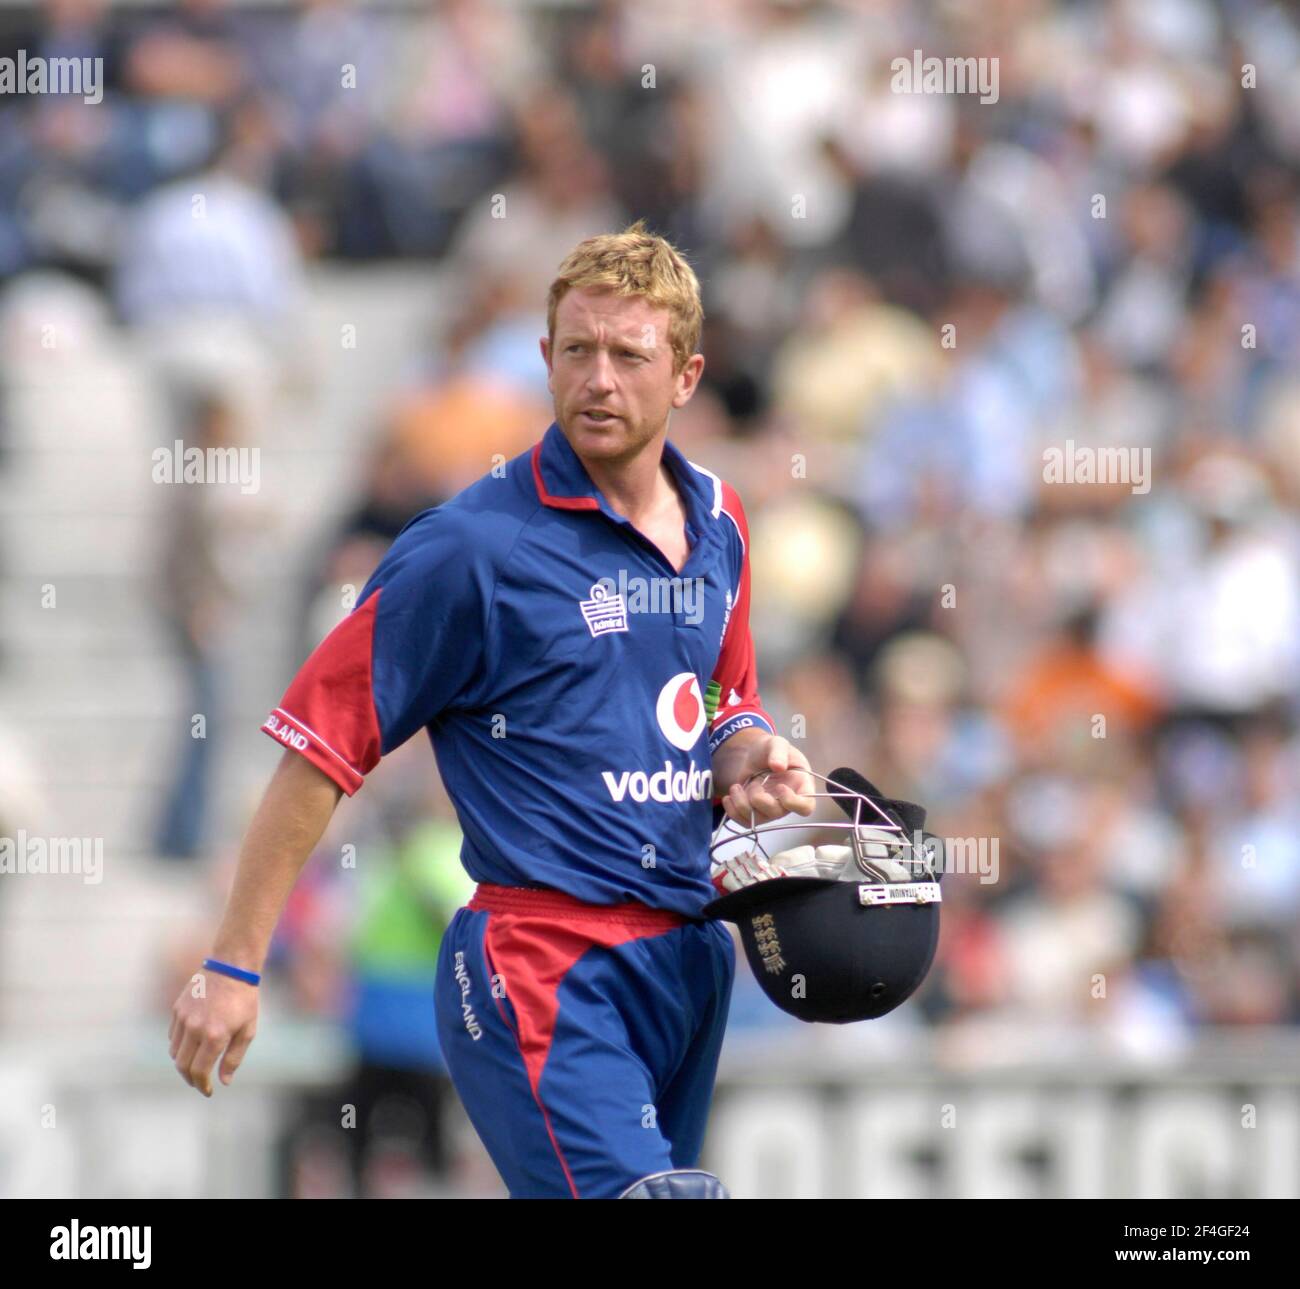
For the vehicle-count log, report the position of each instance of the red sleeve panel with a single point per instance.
(411, 649)
(328, 711)
(739, 704)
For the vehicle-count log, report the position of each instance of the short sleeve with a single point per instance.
(735, 678)
(411, 649)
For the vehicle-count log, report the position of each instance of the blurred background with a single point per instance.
(321, 233)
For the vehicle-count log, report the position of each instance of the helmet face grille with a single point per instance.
(885, 836)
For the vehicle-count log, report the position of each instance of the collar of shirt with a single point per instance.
(564, 484)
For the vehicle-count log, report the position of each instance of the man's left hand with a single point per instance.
(783, 786)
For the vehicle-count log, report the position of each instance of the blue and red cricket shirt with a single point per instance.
(573, 683)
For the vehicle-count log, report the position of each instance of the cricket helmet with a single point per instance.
(837, 933)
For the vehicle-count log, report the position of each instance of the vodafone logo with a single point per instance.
(680, 710)
(680, 713)
(664, 785)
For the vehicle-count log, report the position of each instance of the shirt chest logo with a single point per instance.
(680, 710)
(604, 611)
(612, 603)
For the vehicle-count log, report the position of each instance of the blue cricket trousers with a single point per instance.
(583, 1039)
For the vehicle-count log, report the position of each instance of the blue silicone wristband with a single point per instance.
(238, 973)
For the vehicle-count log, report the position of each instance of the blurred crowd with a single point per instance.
(911, 301)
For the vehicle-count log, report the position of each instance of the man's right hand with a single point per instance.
(287, 825)
(225, 1020)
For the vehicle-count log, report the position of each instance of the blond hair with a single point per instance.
(636, 263)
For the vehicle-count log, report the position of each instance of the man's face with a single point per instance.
(610, 372)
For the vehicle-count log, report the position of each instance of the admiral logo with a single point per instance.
(664, 785)
(604, 612)
(287, 735)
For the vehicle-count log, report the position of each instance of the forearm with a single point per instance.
(289, 821)
(731, 761)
